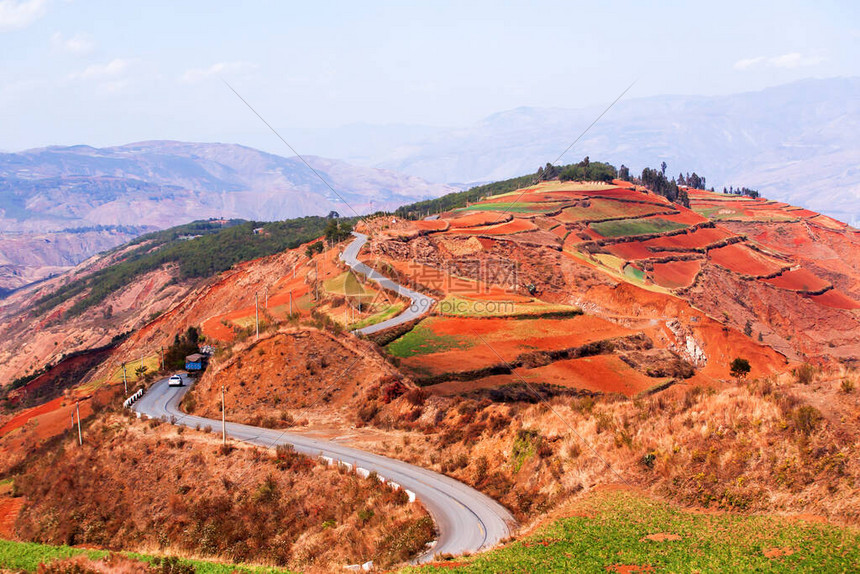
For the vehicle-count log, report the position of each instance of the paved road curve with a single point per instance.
(420, 303)
(466, 520)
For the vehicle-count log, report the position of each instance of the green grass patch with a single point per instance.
(26, 557)
(345, 284)
(634, 273)
(625, 227)
(513, 207)
(612, 528)
(383, 315)
(423, 341)
(611, 261)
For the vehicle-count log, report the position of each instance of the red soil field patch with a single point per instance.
(559, 231)
(801, 212)
(798, 280)
(676, 274)
(23, 417)
(9, 509)
(601, 209)
(508, 338)
(630, 250)
(835, 299)
(507, 228)
(722, 346)
(828, 222)
(685, 216)
(601, 373)
(51, 418)
(698, 239)
(431, 225)
(213, 327)
(741, 259)
(478, 218)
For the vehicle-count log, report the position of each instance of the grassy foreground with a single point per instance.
(621, 531)
(26, 557)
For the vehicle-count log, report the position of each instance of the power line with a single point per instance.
(579, 137)
(292, 149)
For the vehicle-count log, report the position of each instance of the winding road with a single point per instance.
(466, 520)
(420, 303)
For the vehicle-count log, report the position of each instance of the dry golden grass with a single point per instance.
(149, 487)
(755, 447)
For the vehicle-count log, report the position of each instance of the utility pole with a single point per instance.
(267, 296)
(257, 313)
(162, 357)
(291, 302)
(80, 436)
(223, 417)
(124, 380)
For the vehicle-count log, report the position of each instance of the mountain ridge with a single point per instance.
(745, 139)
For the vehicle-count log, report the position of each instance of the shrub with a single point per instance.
(804, 374)
(806, 419)
(847, 386)
(740, 368)
(648, 459)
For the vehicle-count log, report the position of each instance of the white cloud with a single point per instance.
(785, 61)
(77, 45)
(747, 63)
(99, 71)
(198, 74)
(16, 14)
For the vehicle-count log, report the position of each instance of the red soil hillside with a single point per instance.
(783, 258)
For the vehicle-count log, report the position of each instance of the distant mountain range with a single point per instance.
(798, 142)
(60, 205)
(164, 183)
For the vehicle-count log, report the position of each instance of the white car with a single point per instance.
(175, 381)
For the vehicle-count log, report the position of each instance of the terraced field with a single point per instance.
(622, 229)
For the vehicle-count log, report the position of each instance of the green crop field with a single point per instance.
(26, 557)
(607, 209)
(611, 530)
(423, 341)
(514, 207)
(383, 315)
(625, 227)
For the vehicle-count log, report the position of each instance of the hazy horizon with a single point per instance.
(102, 74)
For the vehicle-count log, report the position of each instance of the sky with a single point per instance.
(109, 73)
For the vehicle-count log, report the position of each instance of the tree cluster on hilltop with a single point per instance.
(753, 193)
(588, 171)
(656, 181)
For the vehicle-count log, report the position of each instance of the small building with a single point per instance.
(195, 362)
